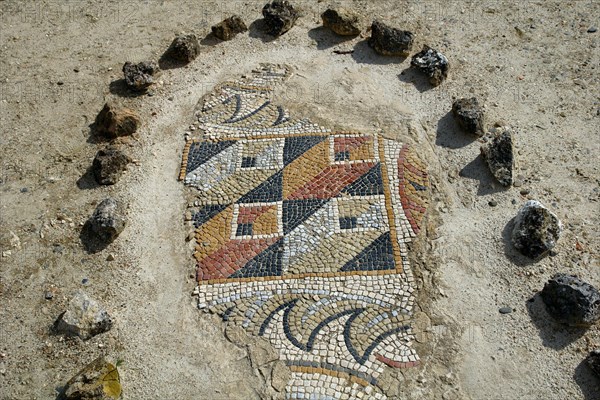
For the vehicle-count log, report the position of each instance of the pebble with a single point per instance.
(524, 192)
(75, 69)
(85, 280)
(48, 295)
(505, 310)
(493, 203)
(592, 29)
(60, 83)
(24, 190)
(111, 257)
(518, 183)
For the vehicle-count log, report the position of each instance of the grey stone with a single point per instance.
(342, 21)
(140, 76)
(109, 164)
(229, 28)
(108, 220)
(390, 41)
(505, 310)
(84, 317)
(499, 153)
(432, 63)
(184, 48)
(469, 115)
(99, 380)
(280, 376)
(571, 301)
(280, 17)
(593, 360)
(536, 229)
(114, 121)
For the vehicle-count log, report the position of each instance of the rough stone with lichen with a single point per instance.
(229, 28)
(108, 220)
(140, 76)
(99, 380)
(109, 164)
(390, 41)
(433, 63)
(593, 360)
(342, 21)
(84, 317)
(184, 48)
(469, 115)
(571, 301)
(499, 154)
(536, 229)
(114, 121)
(279, 16)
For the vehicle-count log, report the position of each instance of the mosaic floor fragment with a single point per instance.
(301, 236)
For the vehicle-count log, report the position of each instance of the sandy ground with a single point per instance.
(534, 66)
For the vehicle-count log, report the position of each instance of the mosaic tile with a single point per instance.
(301, 236)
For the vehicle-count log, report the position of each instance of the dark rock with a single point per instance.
(342, 21)
(229, 28)
(184, 48)
(569, 300)
(592, 29)
(113, 121)
(499, 153)
(390, 41)
(493, 203)
(505, 310)
(99, 380)
(280, 16)
(433, 63)
(469, 115)
(536, 229)
(109, 164)
(108, 221)
(593, 360)
(84, 317)
(140, 76)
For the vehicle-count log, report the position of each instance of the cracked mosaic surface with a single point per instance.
(301, 236)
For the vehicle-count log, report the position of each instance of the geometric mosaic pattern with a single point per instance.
(301, 236)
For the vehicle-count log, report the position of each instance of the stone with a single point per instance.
(140, 76)
(84, 317)
(184, 48)
(536, 229)
(342, 21)
(279, 16)
(99, 380)
(571, 301)
(109, 164)
(108, 220)
(432, 63)
(499, 154)
(469, 115)
(280, 375)
(229, 28)
(505, 310)
(593, 360)
(114, 121)
(389, 41)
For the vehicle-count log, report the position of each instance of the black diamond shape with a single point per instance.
(342, 155)
(244, 230)
(248, 162)
(348, 222)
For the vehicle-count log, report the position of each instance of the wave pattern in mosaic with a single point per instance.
(301, 236)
